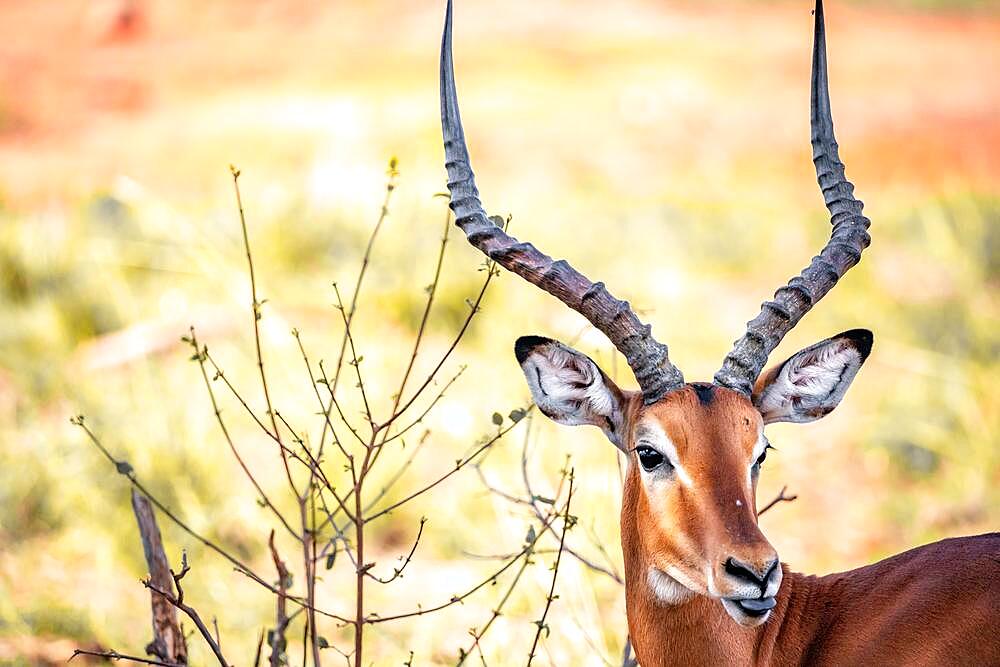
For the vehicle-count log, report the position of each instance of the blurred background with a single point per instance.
(660, 146)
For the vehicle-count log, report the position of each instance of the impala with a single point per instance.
(703, 584)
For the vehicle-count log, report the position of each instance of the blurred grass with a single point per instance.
(661, 148)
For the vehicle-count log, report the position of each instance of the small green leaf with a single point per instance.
(123, 467)
(331, 559)
(497, 418)
(516, 415)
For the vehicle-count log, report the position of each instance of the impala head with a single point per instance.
(694, 458)
(689, 518)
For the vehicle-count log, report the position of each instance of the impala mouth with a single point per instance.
(749, 611)
(756, 607)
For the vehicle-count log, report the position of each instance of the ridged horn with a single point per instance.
(849, 238)
(649, 359)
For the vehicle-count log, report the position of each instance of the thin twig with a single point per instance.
(126, 471)
(256, 325)
(260, 649)
(219, 374)
(423, 415)
(431, 292)
(780, 498)
(491, 272)
(456, 599)
(397, 475)
(459, 464)
(398, 571)
(533, 501)
(355, 359)
(567, 525)
(336, 404)
(477, 636)
(390, 187)
(324, 409)
(115, 655)
(200, 355)
(191, 612)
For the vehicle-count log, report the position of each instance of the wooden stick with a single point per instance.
(168, 641)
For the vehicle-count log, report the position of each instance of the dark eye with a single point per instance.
(763, 455)
(649, 457)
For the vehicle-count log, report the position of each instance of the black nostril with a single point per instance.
(734, 568)
(743, 571)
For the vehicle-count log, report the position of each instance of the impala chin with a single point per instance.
(753, 607)
(666, 589)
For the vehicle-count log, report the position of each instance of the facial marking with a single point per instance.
(758, 449)
(667, 589)
(705, 392)
(652, 434)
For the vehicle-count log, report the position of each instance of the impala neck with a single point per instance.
(693, 632)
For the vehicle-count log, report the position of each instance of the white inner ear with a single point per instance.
(569, 388)
(811, 383)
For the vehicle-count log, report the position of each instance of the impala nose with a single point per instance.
(759, 576)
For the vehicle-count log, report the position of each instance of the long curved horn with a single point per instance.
(648, 359)
(849, 238)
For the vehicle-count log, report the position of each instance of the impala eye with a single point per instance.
(649, 457)
(763, 455)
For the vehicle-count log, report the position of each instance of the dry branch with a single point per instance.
(168, 640)
(345, 529)
(780, 498)
(115, 656)
(191, 612)
(276, 637)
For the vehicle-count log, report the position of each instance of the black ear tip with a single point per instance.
(863, 340)
(524, 345)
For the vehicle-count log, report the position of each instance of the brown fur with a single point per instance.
(934, 605)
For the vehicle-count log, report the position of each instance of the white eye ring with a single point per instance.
(763, 455)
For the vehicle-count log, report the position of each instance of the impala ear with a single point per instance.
(810, 383)
(569, 388)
